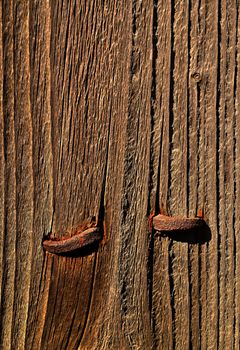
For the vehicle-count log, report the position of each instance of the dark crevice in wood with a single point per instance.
(89, 303)
(198, 141)
(101, 212)
(235, 183)
(171, 98)
(67, 40)
(234, 266)
(150, 261)
(134, 18)
(236, 69)
(44, 264)
(198, 116)
(150, 269)
(188, 170)
(150, 279)
(31, 97)
(158, 206)
(32, 25)
(188, 112)
(51, 79)
(51, 306)
(170, 135)
(190, 298)
(236, 78)
(199, 293)
(38, 295)
(3, 275)
(134, 29)
(4, 272)
(69, 336)
(153, 107)
(218, 96)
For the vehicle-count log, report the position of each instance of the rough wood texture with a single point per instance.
(111, 111)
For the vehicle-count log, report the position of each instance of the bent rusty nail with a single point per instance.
(177, 223)
(78, 241)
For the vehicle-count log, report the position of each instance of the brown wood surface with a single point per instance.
(111, 111)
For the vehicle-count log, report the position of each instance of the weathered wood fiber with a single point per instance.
(112, 111)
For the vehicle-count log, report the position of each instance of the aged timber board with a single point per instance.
(114, 111)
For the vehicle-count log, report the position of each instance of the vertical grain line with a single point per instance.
(153, 109)
(51, 109)
(172, 292)
(89, 300)
(39, 63)
(150, 262)
(188, 113)
(52, 89)
(24, 169)
(171, 97)
(134, 29)
(218, 94)
(8, 282)
(235, 218)
(2, 164)
(127, 164)
(199, 293)
(188, 167)
(170, 134)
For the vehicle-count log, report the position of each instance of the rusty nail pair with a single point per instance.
(93, 235)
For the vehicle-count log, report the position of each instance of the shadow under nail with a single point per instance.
(198, 235)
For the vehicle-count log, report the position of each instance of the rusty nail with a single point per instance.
(76, 242)
(171, 223)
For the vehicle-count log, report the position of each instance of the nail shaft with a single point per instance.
(80, 240)
(170, 223)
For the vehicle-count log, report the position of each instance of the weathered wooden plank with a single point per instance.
(80, 129)
(113, 111)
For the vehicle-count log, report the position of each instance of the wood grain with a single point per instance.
(40, 95)
(113, 112)
(236, 189)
